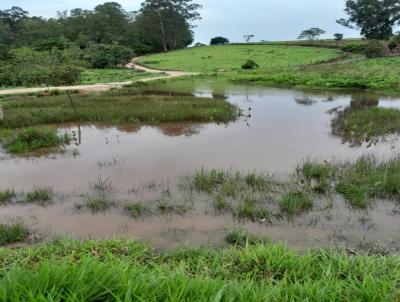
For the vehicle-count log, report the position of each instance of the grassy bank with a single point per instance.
(374, 74)
(94, 76)
(232, 57)
(129, 271)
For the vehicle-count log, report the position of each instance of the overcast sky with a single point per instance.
(267, 19)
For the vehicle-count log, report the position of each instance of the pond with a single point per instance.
(278, 130)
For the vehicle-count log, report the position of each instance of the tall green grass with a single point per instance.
(130, 271)
(115, 107)
(360, 182)
(32, 138)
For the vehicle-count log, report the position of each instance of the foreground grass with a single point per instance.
(129, 271)
(32, 138)
(232, 57)
(119, 106)
(366, 124)
(94, 76)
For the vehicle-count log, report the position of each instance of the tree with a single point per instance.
(248, 38)
(375, 18)
(338, 37)
(311, 34)
(168, 16)
(219, 41)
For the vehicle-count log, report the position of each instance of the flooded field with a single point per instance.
(278, 130)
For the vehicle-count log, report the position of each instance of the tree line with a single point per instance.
(106, 36)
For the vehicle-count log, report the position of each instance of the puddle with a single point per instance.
(285, 127)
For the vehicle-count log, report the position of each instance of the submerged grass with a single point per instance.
(13, 232)
(136, 210)
(366, 124)
(42, 196)
(7, 196)
(360, 182)
(31, 138)
(296, 202)
(119, 270)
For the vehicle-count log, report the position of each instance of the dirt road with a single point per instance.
(105, 86)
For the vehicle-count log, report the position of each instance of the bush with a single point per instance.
(250, 64)
(27, 67)
(374, 49)
(219, 41)
(103, 56)
(355, 48)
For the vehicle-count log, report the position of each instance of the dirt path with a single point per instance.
(105, 86)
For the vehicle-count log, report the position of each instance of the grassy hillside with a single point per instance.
(129, 271)
(285, 66)
(212, 58)
(374, 74)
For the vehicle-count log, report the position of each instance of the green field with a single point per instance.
(232, 57)
(374, 74)
(119, 270)
(285, 66)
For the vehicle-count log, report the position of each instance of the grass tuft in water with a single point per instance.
(249, 208)
(136, 210)
(13, 232)
(7, 196)
(241, 238)
(295, 202)
(361, 181)
(42, 196)
(32, 138)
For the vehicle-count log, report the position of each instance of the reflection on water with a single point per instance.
(281, 128)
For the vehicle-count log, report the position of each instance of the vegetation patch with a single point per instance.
(374, 74)
(128, 270)
(110, 75)
(244, 195)
(99, 200)
(297, 202)
(13, 232)
(32, 138)
(231, 57)
(42, 196)
(361, 181)
(366, 124)
(7, 196)
(242, 238)
(119, 106)
(136, 210)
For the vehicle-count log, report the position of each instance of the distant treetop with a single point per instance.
(219, 41)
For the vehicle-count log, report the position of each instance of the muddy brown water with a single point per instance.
(283, 128)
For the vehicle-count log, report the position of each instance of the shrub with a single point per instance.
(374, 49)
(354, 48)
(102, 55)
(27, 67)
(250, 64)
